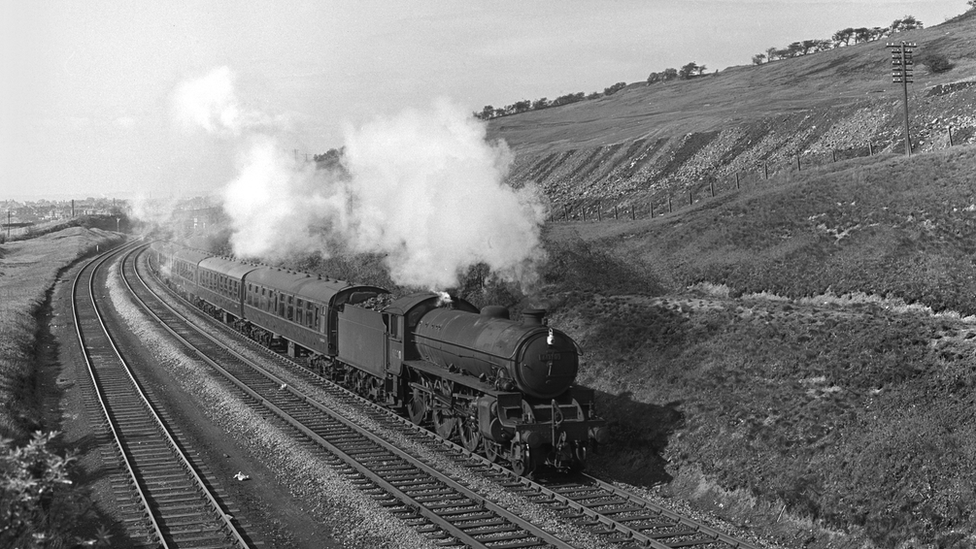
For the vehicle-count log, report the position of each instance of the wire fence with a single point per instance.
(631, 207)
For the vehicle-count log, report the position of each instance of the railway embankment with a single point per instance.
(29, 393)
(798, 357)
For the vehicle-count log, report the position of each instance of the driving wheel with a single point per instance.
(442, 412)
(419, 404)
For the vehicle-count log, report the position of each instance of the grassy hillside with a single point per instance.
(779, 349)
(797, 354)
(28, 270)
(666, 138)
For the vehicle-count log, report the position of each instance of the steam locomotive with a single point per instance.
(499, 387)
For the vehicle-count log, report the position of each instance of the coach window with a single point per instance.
(300, 311)
(308, 314)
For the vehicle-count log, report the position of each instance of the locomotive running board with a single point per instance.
(456, 377)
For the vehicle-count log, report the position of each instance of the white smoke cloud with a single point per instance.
(424, 188)
(277, 206)
(430, 193)
(210, 103)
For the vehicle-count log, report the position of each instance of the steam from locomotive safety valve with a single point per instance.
(443, 299)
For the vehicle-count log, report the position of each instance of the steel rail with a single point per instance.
(214, 502)
(117, 436)
(160, 424)
(680, 519)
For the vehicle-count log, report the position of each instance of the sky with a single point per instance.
(90, 90)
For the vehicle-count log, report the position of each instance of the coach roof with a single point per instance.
(190, 256)
(304, 285)
(232, 268)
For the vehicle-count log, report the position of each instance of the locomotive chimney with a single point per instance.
(533, 317)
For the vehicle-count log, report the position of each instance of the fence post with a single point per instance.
(736, 180)
(599, 210)
(669, 204)
(691, 198)
(833, 156)
(584, 211)
(949, 129)
(651, 203)
(765, 171)
(614, 211)
(870, 149)
(797, 162)
(711, 187)
(632, 212)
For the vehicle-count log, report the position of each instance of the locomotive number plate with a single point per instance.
(546, 357)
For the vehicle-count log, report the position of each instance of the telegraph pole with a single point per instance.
(901, 73)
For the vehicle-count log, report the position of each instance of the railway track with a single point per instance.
(166, 498)
(455, 495)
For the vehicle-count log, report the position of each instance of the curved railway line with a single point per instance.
(168, 498)
(443, 490)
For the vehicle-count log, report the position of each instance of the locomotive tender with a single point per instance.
(499, 387)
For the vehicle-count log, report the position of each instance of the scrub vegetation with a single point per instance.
(39, 504)
(803, 350)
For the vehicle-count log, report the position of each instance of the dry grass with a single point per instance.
(28, 270)
(807, 344)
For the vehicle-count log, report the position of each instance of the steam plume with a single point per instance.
(210, 103)
(424, 188)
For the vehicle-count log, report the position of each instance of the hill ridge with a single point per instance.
(648, 141)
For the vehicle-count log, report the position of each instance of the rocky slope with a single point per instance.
(650, 141)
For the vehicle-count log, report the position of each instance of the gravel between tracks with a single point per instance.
(332, 504)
